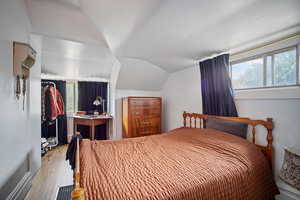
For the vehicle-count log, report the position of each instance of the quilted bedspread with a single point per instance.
(182, 164)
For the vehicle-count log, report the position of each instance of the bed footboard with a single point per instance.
(78, 193)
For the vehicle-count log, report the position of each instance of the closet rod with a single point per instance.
(49, 82)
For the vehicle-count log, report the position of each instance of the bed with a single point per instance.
(191, 162)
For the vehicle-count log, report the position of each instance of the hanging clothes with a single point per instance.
(53, 104)
(56, 103)
(53, 110)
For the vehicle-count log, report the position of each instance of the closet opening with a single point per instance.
(69, 107)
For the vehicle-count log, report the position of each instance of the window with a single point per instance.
(270, 70)
(284, 68)
(248, 74)
(71, 90)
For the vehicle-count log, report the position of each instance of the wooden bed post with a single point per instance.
(78, 193)
(270, 136)
(184, 119)
(270, 141)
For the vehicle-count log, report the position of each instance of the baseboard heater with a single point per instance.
(17, 186)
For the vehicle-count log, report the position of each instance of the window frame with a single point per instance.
(75, 98)
(264, 57)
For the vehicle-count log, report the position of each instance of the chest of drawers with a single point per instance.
(141, 116)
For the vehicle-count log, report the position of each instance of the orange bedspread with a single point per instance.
(183, 164)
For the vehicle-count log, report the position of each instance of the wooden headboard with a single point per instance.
(195, 120)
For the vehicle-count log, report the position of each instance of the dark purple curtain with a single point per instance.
(217, 93)
(87, 93)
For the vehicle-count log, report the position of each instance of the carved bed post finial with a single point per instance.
(184, 119)
(78, 194)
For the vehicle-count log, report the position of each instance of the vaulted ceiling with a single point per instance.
(169, 34)
(73, 59)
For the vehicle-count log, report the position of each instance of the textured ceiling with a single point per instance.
(75, 59)
(171, 34)
(63, 19)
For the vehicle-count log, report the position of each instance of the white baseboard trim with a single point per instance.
(287, 192)
(286, 196)
(21, 189)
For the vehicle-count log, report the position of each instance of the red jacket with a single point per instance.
(56, 103)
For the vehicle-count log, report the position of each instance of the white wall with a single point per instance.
(118, 102)
(34, 100)
(286, 115)
(283, 105)
(181, 92)
(138, 74)
(112, 97)
(19, 129)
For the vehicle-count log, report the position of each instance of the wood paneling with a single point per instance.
(141, 116)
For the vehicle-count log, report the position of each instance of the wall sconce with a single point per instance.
(23, 59)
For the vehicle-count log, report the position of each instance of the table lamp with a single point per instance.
(98, 102)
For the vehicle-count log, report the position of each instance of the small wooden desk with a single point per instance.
(92, 121)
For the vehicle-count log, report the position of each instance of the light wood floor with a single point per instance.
(55, 172)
